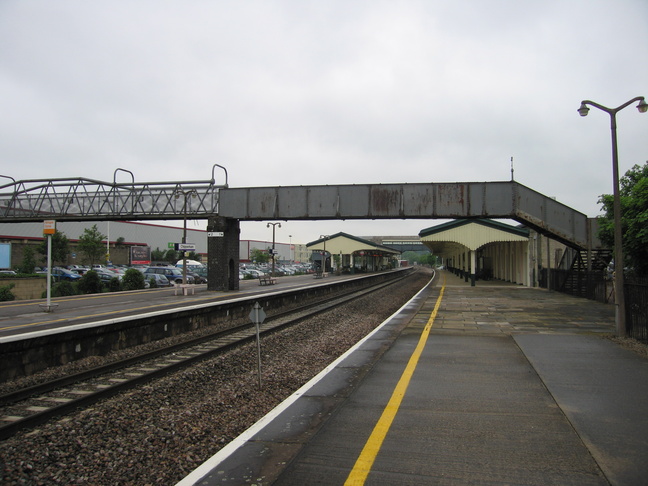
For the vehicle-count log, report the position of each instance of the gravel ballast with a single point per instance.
(158, 433)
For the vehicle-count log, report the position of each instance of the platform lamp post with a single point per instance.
(180, 193)
(273, 244)
(619, 296)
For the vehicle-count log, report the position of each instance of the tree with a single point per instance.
(157, 255)
(60, 248)
(633, 191)
(171, 256)
(28, 261)
(259, 256)
(91, 245)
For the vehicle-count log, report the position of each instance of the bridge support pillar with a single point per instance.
(223, 253)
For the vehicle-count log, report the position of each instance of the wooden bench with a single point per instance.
(267, 280)
(184, 289)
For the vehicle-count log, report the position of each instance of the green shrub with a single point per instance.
(114, 285)
(6, 294)
(63, 289)
(90, 283)
(153, 283)
(133, 280)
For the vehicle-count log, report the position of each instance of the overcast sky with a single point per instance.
(324, 92)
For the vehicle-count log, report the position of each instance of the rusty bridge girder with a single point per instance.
(508, 200)
(92, 200)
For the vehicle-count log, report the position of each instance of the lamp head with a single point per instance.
(583, 110)
(642, 106)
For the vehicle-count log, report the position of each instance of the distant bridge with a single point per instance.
(92, 200)
(406, 245)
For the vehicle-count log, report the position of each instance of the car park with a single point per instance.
(198, 278)
(106, 275)
(174, 275)
(160, 280)
(59, 274)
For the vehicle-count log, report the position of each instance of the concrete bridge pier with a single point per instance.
(223, 253)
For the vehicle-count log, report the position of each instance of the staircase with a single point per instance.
(578, 280)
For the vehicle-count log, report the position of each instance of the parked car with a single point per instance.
(80, 269)
(171, 273)
(59, 274)
(160, 280)
(106, 275)
(199, 279)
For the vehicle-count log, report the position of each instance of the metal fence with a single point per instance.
(636, 299)
(594, 286)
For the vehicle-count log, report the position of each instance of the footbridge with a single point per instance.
(224, 207)
(459, 200)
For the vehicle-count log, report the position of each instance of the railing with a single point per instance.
(88, 199)
(636, 298)
(595, 286)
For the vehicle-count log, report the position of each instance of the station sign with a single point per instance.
(215, 234)
(185, 247)
(49, 227)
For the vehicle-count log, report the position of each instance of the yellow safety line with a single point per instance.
(368, 455)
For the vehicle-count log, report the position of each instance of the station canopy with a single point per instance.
(470, 234)
(345, 244)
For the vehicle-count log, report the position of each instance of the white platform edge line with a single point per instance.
(211, 463)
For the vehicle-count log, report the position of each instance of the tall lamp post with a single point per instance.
(619, 296)
(273, 244)
(178, 194)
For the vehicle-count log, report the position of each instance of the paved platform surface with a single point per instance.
(510, 386)
(22, 316)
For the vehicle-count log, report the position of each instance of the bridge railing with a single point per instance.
(90, 199)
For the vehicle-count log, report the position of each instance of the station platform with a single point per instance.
(492, 384)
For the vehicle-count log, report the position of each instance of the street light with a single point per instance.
(273, 244)
(618, 234)
(180, 193)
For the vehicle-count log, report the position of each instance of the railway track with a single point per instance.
(30, 407)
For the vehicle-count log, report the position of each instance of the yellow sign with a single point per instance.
(49, 227)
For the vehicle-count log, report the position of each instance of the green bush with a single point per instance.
(63, 289)
(114, 285)
(6, 294)
(133, 280)
(153, 283)
(90, 283)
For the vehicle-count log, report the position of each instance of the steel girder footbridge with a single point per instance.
(83, 199)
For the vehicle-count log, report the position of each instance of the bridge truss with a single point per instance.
(81, 199)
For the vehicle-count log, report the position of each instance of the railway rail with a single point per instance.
(30, 407)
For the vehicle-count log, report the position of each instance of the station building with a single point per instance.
(345, 253)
